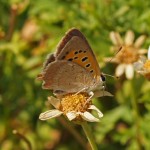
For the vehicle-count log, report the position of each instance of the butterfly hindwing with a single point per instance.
(66, 76)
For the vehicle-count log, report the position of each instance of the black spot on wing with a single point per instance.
(88, 65)
(84, 59)
(70, 59)
(75, 57)
(76, 52)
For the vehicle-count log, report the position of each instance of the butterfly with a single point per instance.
(73, 68)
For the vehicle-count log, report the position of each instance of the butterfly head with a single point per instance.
(102, 78)
(102, 82)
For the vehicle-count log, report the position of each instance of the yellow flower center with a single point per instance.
(128, 55)
(75, 102)
(147, 65)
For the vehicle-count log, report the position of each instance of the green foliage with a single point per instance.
(29, 30)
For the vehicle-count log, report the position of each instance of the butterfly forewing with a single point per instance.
(77, 50)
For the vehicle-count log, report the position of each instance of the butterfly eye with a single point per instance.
(103, 78)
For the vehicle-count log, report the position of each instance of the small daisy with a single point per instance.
(129, 53)
(76, 107)
(143, 65)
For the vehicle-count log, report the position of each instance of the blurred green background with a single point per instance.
(29, 30)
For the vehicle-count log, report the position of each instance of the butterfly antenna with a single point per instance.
(105, 74)
(115, 77)
(120, 48)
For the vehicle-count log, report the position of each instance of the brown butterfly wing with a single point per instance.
(66, 76)
(69, 34)
(75, 43)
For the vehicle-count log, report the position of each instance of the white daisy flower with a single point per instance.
(130, 52)
(76, 107)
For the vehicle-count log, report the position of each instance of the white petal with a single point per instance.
(101, 93)
(100, 114)
(113, 38)
(120, 41)
(140, 41)
(120, 70)
(89, 117)
(116, 38)
(142, 51)
(138, 65)
(129, 72)
(148, 54)
(129, 38)
(54, 101)
(71, 115)
(50, 114)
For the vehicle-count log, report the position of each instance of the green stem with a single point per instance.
(89, 135)
(137, 118)
(72, 130)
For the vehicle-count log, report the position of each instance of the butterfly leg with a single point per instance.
(80, 91)
(91, 94)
